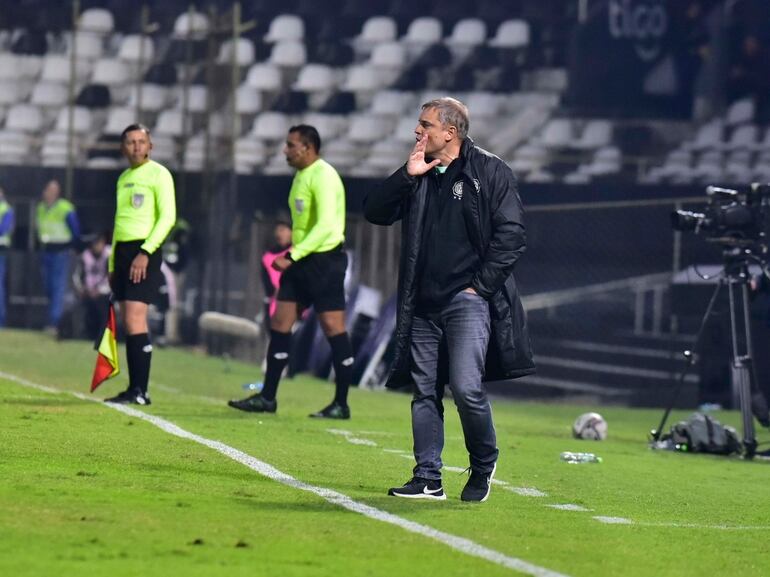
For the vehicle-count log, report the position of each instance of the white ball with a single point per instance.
(590, 426)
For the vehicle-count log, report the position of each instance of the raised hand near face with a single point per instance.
(416, 164)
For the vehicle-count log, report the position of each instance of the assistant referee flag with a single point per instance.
(107, 357)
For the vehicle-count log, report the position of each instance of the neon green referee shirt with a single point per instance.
(146, 207)
(317, 203)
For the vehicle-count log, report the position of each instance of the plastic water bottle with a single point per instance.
(256, 387)
(578, 458)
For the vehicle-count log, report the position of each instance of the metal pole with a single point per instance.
(232, 191)
(582, 10)
(143, 31)
(186, 87)
(70, 170)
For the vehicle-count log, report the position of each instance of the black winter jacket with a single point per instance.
(494, 217)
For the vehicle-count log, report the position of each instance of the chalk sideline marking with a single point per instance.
(533, 492)
(568, 507)
(460, 544)
(351, 438)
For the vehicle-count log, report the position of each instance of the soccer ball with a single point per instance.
(590, 426)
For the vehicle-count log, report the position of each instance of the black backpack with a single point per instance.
(704, 434)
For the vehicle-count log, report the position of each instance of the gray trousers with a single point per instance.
(464, 327)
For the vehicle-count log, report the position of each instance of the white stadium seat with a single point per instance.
(118, 119)
(131, 48)
(285, 27)
(248, 100)
(82, 120)
(264, 76)
(511, 34)
(316, 78)
(242, 49)
(96, 20)
(270, 126)
(154, 97)
(193, 24)
(111, 72)
(56, 68)
(24, 118)
(288, 54)
(468, 32)
(49, 94)
(421, 33)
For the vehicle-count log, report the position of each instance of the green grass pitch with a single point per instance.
(87, 490)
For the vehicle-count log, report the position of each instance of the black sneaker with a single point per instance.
(255, 404)
(419, 488)
(333, 411)
(478, 486)
(130, 397)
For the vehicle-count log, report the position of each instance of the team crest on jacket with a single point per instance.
(457, 190)
(477, 184)
(299, 204)
(137, 200)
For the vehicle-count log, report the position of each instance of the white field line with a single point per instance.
(174, 390)
(534, 492)
(699, 526)
(527, 491)
(568, 507)
(465, 470)
(613, 520)
(455, 542)
(350, 437)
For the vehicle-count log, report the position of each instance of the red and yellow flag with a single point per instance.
(107, 357)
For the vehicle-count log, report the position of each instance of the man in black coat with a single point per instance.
(460, 318)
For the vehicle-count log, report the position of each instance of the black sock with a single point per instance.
(342, 357)
(139, 354)
(277, 359)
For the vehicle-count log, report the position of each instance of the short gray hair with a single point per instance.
(451, 112)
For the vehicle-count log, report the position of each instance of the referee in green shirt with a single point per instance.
(313, 273)
(145, 214)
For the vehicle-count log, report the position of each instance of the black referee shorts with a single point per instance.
(123, 288)
(318, 280)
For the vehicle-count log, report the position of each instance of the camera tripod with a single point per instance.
(743, 374)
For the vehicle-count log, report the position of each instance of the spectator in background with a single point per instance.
(164, 304)
(92, 284)
(690, 50)
(749, 73)
(58, 231)
(178, 250)
(6, 230)
(271, 278)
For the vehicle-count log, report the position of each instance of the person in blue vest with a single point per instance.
(58, 230)
(6, 229)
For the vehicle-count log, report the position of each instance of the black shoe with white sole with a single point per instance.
(419, 488)
(130, 397)
(478, 486)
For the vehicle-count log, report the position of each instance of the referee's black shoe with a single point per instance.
(255, 404)
(333, 411)
(130, 397)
